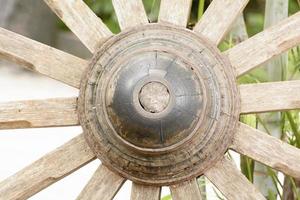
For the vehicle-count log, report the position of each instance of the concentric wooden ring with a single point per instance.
(197, 126)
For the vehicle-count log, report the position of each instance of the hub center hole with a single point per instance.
(154, 97)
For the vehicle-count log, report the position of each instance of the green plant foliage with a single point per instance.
(247, 164)
(104, 9)
(168, 197)
(152, 9)
(294, 6)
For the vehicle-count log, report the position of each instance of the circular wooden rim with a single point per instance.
(152, 166)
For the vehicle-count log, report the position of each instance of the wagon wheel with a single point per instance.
(159, 104)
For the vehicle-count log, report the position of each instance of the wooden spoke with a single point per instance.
(218, 18)
(39, 113)
(47, 170)
(130, 13)
(188, 190)
(265, 45)
(268, 150)
(274, 96)
(82, 21)
(231, 182)
(145, 192)
(41, 58)
(103, 185)
(175, 12)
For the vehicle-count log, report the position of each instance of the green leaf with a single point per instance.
(168, 197)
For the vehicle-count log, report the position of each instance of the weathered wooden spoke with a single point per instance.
(265, 45)
(103, 185)
(41, 58)
(266, 97)
(268, 150)
(159, 104)
(231, 182)
(177, 14)
(47, 170)
(130, 13)
(82, 21)
(39, 113)
(144, 192)
(188, 190)
(218, 18)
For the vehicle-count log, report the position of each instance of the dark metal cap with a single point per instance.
(152, 105)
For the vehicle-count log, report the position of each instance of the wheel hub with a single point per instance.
(154, 97)
(159, 104)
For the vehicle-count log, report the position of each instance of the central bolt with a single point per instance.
(154, 97)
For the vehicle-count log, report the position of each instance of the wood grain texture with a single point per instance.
(265, 45)
(144, 192)
(273, 96)
(47, 170)
(195, 152)
(82, 21)
(103, 185)
(130, 13)
(176, 12)
(231, 182)
(268, 150)
(188, 190)
(41, 58)
(219, 17)
(39, 113)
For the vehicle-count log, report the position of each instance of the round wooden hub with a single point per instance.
(159, 104)
(154, 97)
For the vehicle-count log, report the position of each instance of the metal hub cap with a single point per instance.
(158, 104)
(150, 106)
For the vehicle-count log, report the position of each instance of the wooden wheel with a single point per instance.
(159, 104)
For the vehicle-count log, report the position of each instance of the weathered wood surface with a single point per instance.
(103, 185)
(47, 170)
(188, 190)
(81, 20)
(130, 13)
(267, 149)
(265, 45)
(41, 58)
(154, 97)
(175, 12)
(218, 18)
(266, 97)
(39, 113)
(152, 173)
(231, 182)
(144, 192)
